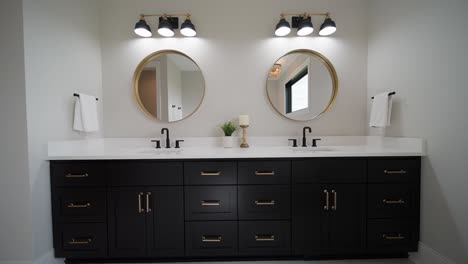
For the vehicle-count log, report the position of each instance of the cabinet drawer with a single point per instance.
(211, 203)
(80, 240)
(393, 170)
(329, 171)
(77, 174)
(389, 200)
(134, 173)
(264, 202)
(264, 238)
(210, 173)
(211, 238)
(265, 172)
(388, 236)
(79, 205)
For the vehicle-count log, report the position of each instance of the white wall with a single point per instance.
(62, 56)
(15, 198)
(418, 48)
(235, 49)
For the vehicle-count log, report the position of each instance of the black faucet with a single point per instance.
(168, 140)
(304, 139)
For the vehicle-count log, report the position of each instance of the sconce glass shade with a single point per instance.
(275, 71)
(165, 28)
(328, 27)
(188, 29)
(305, 27)
(282, 28)
(142, 29)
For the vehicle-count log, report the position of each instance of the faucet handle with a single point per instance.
(177, 143)
(314, 142)
(294, 141)
(158, 143)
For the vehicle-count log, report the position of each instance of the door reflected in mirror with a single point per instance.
(169, 86)
(302, 85)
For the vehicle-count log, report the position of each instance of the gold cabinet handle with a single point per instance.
(148, 196)
(264, 238)
(210, 173)
(335, 202)
(140, 209)
(265, 202)
(210, 203)
(389, 237)
(74, 205)
(395, 171)
(80, 241)
(69, 175)
(264, 173)
(400, 201)
(327, 200)
(212, 239)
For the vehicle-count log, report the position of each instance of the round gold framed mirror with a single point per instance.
(302, 85)
(168, 85)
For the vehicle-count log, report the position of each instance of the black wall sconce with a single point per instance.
(303, 23)
(167, 24)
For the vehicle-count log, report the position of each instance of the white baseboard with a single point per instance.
(427, 255)
(14, 262)
(48, 258)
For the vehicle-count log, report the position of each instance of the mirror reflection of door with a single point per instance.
(170, 86)
(301, 86)
(148, 90)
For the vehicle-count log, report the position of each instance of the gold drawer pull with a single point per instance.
(335, 200)
(397, 237)
(148, 198)
(80, 241)
(77, 175)
(395, 171)
(326, 207)
(265, 202)
(212, 239)
(385, 201)
(264, 238)
(264, 173)
(73, 205)
(140, 208)
(211, 203)
(210, 173)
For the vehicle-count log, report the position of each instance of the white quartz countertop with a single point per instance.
(211, 148)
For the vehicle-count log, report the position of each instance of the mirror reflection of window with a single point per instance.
(297, 92)
(301, 85)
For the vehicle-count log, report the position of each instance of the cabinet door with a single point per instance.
(307, 213)
(165, 222)
(127, 222)
(347, 219)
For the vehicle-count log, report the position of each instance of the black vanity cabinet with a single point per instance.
(131, 210)
(145, 216)
(329, 207)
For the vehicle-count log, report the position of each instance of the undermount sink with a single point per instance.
(312, 149)
(161, 151)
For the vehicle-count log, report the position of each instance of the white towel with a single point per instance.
(381, 110)
(86, 116)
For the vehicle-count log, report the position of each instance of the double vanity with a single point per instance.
(123, 200)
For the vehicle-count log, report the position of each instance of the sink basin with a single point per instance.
(312, 149)
(161, 151)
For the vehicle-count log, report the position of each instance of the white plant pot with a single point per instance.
(228, 142)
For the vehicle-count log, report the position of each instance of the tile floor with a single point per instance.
(359, 261)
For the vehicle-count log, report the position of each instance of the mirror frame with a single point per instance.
(138, 71)
(330, 69)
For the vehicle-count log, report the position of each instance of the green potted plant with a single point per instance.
(228, 129)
